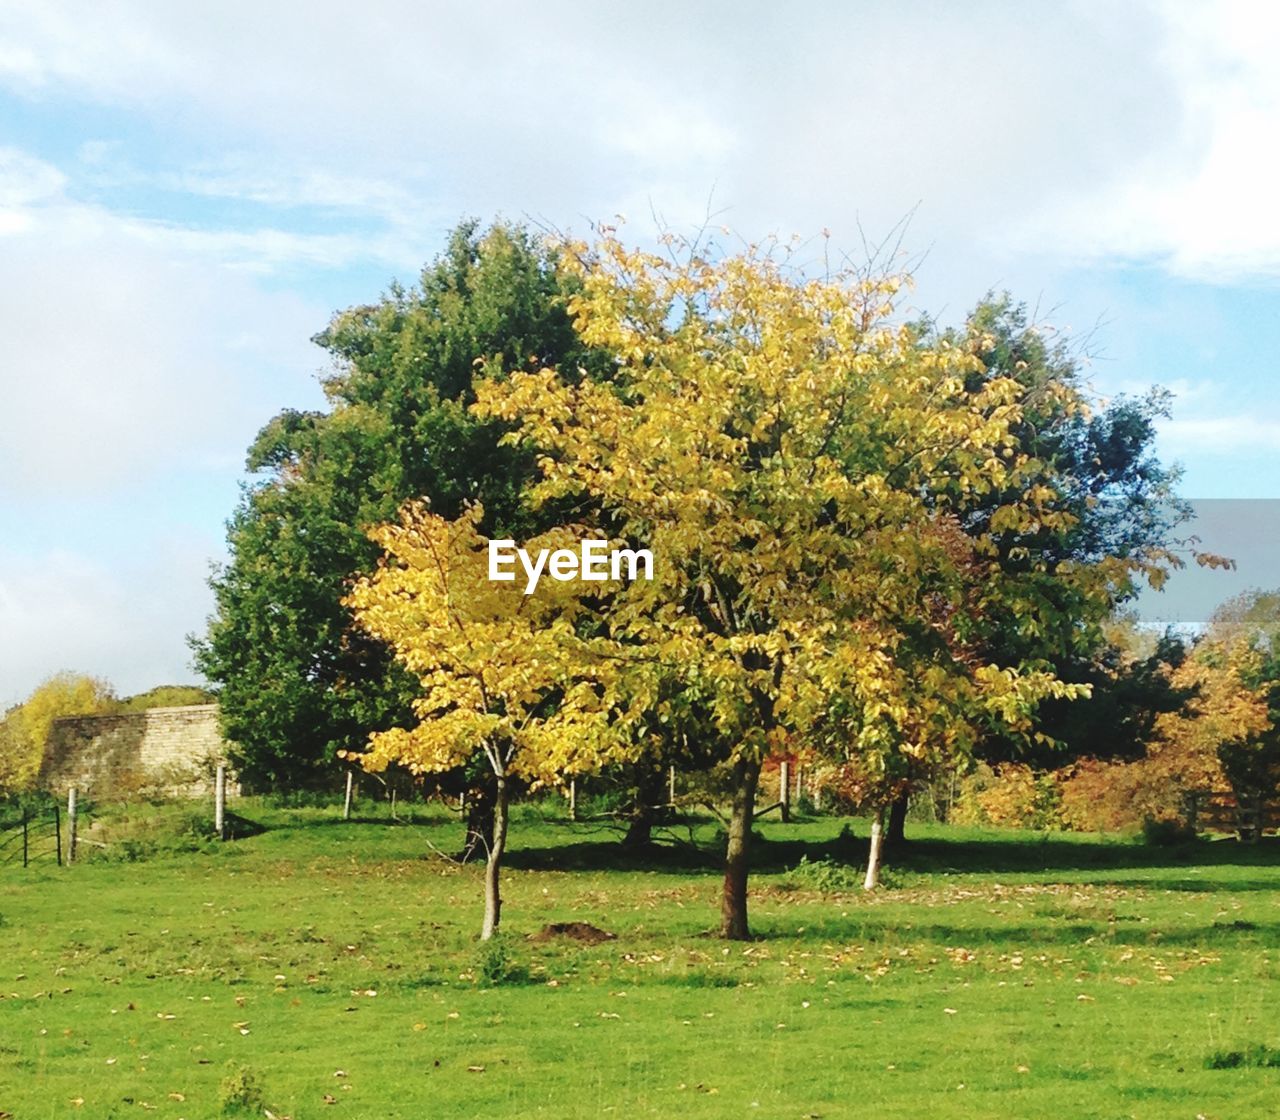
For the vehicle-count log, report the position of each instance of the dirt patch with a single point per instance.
(574, 931)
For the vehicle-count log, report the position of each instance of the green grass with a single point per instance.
(1002, 975)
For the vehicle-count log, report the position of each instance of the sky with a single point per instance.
(188, 192)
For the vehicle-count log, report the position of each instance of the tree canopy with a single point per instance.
(798, 466)
(25, 727)
(297, 682)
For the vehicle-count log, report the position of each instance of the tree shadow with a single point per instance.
(869, 926)
(1171, 868)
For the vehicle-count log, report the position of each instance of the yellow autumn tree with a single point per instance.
(498, 669)
(1226, 738)
(24, 731)
(794, 459)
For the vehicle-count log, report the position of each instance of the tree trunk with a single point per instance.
(896, 832)
(644, 813)
(733, 904)
(493, 866)
(479, 837)
(873, 857)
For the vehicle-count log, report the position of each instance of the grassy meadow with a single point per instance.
(316, 968)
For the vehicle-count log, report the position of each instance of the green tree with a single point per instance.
(167, 696)
(1122, 511)
(297, 681)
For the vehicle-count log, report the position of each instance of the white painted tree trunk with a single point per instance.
(493, 866)
(877, 845)
(784, 790)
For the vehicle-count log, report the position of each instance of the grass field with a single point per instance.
(335, 965)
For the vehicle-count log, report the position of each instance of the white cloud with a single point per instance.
(1209, 211)
(25, 179)
(1221, 435)
(984, 112)
(66, 610)
(134, 346)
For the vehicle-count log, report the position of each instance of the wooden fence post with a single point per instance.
(57, 833)
(24, 838)
(71, 825)
(573, 799)
(346, 803)
(220, 802)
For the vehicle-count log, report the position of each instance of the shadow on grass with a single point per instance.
(1174, 869)
(275, 820)
(869, 926)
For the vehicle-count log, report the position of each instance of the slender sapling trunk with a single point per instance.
(877, 846)
(493, 866)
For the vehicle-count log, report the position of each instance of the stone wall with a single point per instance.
(171, 751)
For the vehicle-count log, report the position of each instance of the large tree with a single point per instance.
(800, 467)
(297, 681)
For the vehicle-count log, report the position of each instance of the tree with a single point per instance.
(1227, 737)
(794, 462)
(297, 682)
(25, 728)
(492, 663)
(1123, 511)
(167, 696)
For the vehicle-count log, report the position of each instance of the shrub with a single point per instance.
(495, 966)
(1010, 796)
(240, 1092)
(1257, 1056)
(1102, 796)
(825, 875)
(1167, 832)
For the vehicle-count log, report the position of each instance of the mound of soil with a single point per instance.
(574, 931)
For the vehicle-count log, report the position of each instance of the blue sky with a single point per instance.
(187, 192)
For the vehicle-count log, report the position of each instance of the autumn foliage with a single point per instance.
(798, 464)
